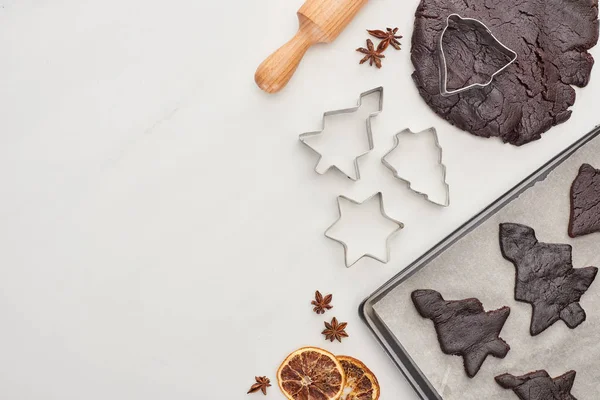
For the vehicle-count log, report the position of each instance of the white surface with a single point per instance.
(162, 226)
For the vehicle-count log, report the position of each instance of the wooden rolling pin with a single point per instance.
(320, 21)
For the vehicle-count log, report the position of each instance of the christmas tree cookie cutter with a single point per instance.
(481, 27)
(436, 141)
(303, 137)
(379, 197)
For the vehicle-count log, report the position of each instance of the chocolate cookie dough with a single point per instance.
(585, 202)
(551, 39)
(464, 328)
(539, 385)
(545, 277)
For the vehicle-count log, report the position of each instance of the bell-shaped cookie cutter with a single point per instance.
(307, 135)
(476, 24)
(446, 202)
(379, 197)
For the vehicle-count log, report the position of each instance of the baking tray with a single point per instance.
(411, 341)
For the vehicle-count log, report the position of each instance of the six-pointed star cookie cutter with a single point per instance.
(476, 24)
(379, 195)
(307, 135)
(446, 202)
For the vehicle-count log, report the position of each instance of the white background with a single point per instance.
(161, 226)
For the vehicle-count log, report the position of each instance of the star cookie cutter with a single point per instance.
(307, 135)
(446, 202)
(379, 195)
(476, 24)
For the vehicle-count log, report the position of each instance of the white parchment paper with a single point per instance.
(474, 267)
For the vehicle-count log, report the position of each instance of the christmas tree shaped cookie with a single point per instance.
(545, 277)
(585, 202)
(464, 328)
(539, 385)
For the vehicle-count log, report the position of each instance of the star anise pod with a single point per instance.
(335, 330)
(321, 303)
(387, 37)
(372, 55)
(262, 383)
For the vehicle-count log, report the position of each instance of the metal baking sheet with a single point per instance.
(468, 263)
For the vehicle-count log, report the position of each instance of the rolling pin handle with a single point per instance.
(275, 72)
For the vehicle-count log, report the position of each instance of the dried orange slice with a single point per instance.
(311, 373)
(361, 383)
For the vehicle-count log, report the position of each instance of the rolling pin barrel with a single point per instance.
(320, 21)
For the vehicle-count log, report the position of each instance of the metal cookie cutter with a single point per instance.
(307, 135)
(476, 24)
(446, 202)
(379, 195)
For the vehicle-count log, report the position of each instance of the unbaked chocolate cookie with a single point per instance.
(551, 39)
(464, 328)
(539, 385)
(545, 277)
(585, 202)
